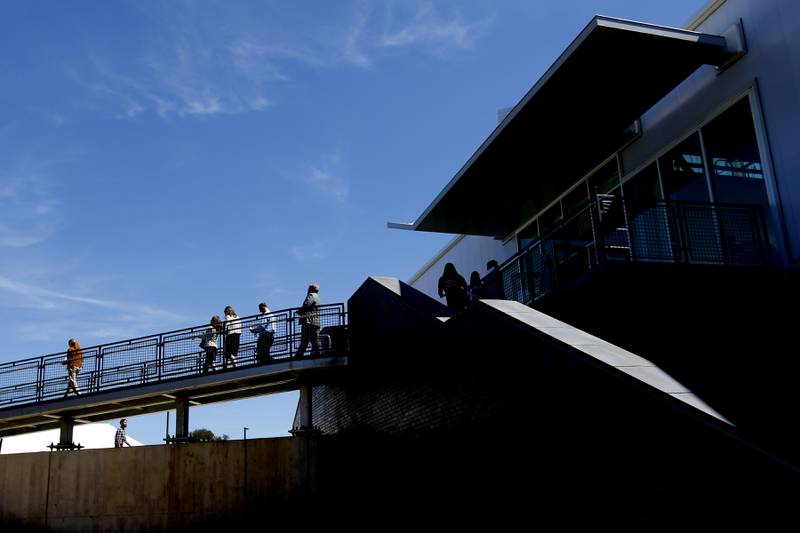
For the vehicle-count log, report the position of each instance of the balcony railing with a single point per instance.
(157, 358)
(610, 230)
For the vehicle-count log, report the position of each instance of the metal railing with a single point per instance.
(157, 358)
(609, 229)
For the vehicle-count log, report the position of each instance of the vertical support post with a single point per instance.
(181, 418)
(290, 324)
(66, 425)
(306, 425)
(160, 355)
(306, 420)
(40, 380)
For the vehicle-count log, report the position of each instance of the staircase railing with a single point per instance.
(610, 229)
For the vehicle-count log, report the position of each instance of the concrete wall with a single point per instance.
(158, 488)
(495, 401)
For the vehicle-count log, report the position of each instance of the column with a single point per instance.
(181, 418)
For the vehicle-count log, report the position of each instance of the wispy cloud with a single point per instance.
(353, 52)
(327, 179)
(197, 60)
(180, 71)
(434, 29)
(270, 284)
(27, 216)
(49, 299)
(330, 185)
(309, 251)
(427, 27)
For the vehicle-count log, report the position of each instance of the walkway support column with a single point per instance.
(181, 418)
(306, 422)
(66, 424)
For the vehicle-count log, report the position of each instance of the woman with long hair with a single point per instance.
(475, 288)
(209, 343)
(453, 286)
(233, 331)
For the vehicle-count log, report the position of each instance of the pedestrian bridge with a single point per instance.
(162, 372)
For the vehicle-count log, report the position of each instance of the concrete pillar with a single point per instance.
(181, 418)
(306, 421)
(67, 425)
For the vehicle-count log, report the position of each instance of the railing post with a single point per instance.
(160, 355)
(717, 213)
(99, 366)
(290, 330)
(97, 362)
(594, 214)
(40, 381)
(761, 236)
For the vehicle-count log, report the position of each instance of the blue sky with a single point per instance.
(161, 160)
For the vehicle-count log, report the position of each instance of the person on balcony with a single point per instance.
(209, 343)
(309, 322)
(265, 329)
(475, 289)
(453, 287)
(74, 364)
(492, 285)
(233, 332)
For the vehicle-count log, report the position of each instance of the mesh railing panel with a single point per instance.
(664, 233)
(651, 235)
(740, 237)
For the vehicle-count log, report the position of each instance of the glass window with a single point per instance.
(550, 219)
(682, 172)
(605, 180)
(643, 190)
(736, 172)
(529, 235)
(575, 200)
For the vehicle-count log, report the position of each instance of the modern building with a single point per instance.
(646, 190)
(642, 200)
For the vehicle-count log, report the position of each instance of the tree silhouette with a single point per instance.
(206, 435)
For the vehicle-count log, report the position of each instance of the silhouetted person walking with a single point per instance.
(233, 332)
(74, 364)
(492, 284)
(309, 322)
(209, 343)
(475, 289)
(453, 286)
(265, 329)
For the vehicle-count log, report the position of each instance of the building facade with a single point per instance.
(705, 172)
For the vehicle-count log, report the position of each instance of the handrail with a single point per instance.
(662, 232)
(157, 358)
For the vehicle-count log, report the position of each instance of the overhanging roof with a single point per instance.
(573, 118)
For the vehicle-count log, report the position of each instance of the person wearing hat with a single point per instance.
(309, 322)
(119, 437)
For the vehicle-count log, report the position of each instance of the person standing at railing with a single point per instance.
(475, 290)
(492, 283)
(453, 286)
(233, 332)
(209, 343)
(265, 329)
(74, 364)
(309, 322)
